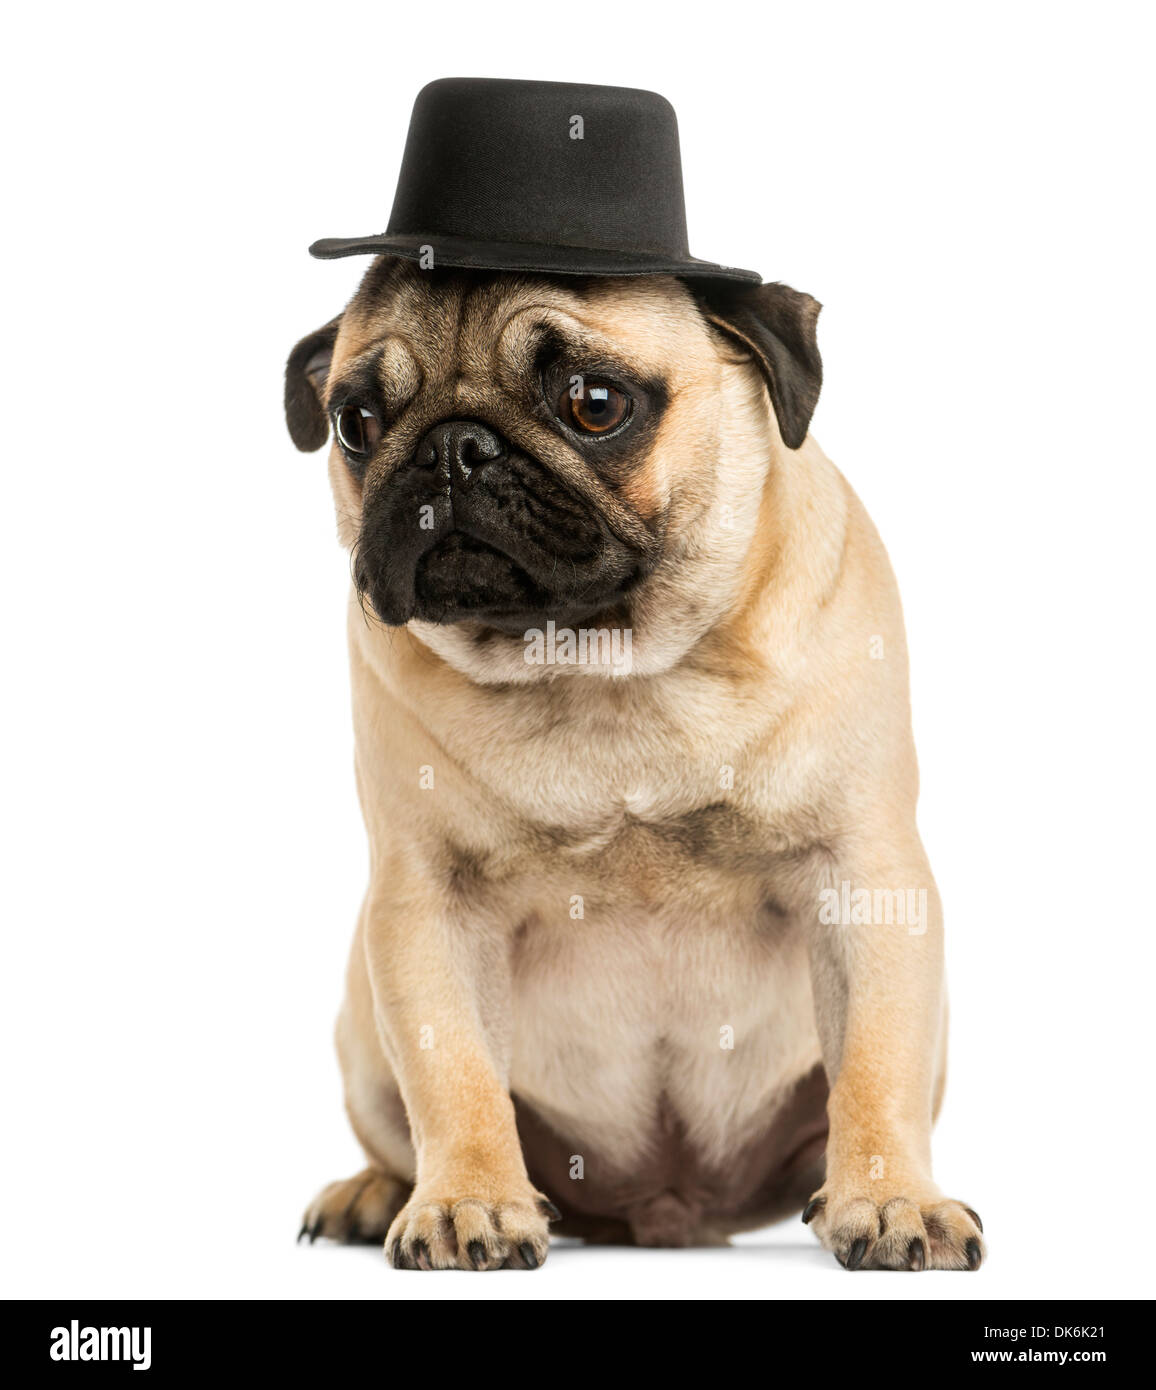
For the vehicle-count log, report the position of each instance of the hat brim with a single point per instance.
(527, 257)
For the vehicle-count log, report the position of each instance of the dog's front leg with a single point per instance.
(441, 1002)
(876, 946)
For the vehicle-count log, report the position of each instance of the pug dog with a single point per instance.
(650, 948)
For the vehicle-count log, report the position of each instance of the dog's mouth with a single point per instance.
(461, 575)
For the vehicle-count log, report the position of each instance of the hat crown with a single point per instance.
(545, 163)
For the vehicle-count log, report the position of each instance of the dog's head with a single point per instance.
(511, 450)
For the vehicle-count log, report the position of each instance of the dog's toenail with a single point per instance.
(858, 1250)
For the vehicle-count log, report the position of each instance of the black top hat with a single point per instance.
(553, 177)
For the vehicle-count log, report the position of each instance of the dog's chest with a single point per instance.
(649, 1043)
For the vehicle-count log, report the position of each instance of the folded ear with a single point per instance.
(777, 326)
(306, 373)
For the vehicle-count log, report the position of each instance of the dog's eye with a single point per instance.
(358, 430)
(594, 407)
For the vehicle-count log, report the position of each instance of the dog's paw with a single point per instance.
(897, 1233)
(358, 1210)
(506, 1232)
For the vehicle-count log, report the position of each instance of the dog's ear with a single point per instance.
(306, 373)
(777, 326)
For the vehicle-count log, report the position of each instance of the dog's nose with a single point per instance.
(457, 447)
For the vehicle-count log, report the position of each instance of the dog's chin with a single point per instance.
(464, 580)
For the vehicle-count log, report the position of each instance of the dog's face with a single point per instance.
(509, 450)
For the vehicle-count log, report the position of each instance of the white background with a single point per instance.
(964, 187)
